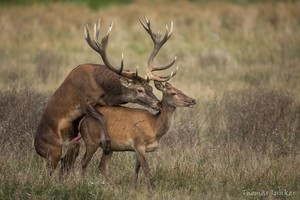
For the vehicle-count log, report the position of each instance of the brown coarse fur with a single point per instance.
(133, 129)
(86, 86)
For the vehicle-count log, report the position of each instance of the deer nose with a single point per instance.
(194, 101)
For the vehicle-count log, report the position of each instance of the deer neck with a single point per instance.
(111, 90)
(126, 95)
(164, 118)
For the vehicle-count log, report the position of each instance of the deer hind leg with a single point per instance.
(67, 162)
(140, 153)
(105, 139)
(104, 165)
(89, 152)
(52, 159)
(137, 167)
(48, 146)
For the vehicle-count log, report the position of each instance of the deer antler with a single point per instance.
(101, 49)
(158, 43)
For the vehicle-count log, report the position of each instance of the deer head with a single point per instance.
(137, 87)
(173, 96)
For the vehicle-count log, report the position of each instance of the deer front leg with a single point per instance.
(105, 139)
(140, 153)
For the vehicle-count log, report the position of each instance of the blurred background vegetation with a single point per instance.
(239, 58)
(95, 4)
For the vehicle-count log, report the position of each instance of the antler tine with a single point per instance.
(122, 63)
(96, 30)
(152, 76)
(104, 41)
(136, 71)
(147, 25)
(153, 68)
(169, 33)
(88, 38)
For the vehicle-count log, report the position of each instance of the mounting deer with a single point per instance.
(85, 87)
(141, 132)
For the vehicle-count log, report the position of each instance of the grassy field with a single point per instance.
(240, 61)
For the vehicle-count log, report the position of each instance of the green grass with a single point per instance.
(241, 63)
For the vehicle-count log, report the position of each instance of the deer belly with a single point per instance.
(126, 145)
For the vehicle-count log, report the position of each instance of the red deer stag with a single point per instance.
(86, 86)
(133, 129)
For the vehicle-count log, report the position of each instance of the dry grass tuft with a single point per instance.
(259, 119)
(262, 117)
(20, 113)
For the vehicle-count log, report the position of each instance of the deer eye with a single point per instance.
(140, 90)
(173, 93)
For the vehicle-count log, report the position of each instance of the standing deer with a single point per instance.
(85, 87)
(133, 129)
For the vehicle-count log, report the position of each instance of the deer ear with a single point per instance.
(125, 82)
(159, 85)
(168, 85)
